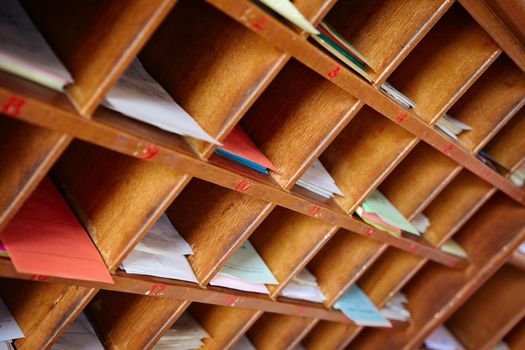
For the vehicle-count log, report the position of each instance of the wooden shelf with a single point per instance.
(233, 62)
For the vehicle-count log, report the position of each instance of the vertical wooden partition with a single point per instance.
(492, 311)
(96, 40)
(27, 154)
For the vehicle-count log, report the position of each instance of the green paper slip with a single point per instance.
(378, 204)
(247, 265)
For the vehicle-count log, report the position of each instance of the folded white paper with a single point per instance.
(24, 51)
(9, 329)
(79, 336)
(137, 95)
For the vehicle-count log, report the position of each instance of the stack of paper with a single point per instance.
(518, 177)
(24, 51)
(395, 309)
(442, 339)
(137, 95)
(185, 334)
(79, 336)
(45, 238)
(492, 163)
(246, 271)
(318, 180)
(451, 127)
(342, 49)
(380, 213)
(162, 253)
(397, 96)
(356, 306)
(304, 286)
(421, 223)
(244, 344)
(287, 10)
(452, 247)
(9, 329)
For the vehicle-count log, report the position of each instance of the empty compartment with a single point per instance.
(384, 31)
(363, 154)
(295, 119)
(495, 97)
(492, 311)
(418, 179)
(28, 153)
(117, 198)
(215, 222)
(508, 146)
(225, 325)
(286, 241)
(341, 261)
(133, 321)
(275, 331)
(443, 65)
(455, 205)
(96, 40)
(43, 311)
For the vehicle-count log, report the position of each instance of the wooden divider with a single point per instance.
(96, 40)
(508, 146)
(293, 113)
(516, 338)
(215, 222)
(359, 160)
(130, 321)
(442, 66)
(225, 325)
(117, 198)
(287, 241)
(492, 311)
(490, 103)
(43, 310)
(27, 154)
(385, 31)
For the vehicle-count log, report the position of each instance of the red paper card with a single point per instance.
(240, 144)
(45, 238)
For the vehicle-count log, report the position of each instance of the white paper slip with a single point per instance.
(137, 95)
(244, 344)
(246, 265)
(318, 177)
(296, 290)
(6, 345)
(312, 188)
(187, 328)
(288, 10)
(221, 280)
(421, 223)
(397, 95)
(306, 277)
(501, 346)
(79, 336)
(24, 51)
(163, 239)
(521, 248)
(186, 333)
(395, 309)
(442, 339)
(174, 266)
(9, 329)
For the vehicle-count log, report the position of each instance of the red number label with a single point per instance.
(231, 300)
(157, 289)
(149, 152)
(333, 73)
(39, 278)
(369, 232)
(259, 25)
(401, 118)
(243, 185)
(448, 149)
(314, 210)
(13, 105)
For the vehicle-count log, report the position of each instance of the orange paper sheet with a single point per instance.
(45, 238)
(240, 144)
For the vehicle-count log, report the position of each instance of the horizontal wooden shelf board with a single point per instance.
(166, 288)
